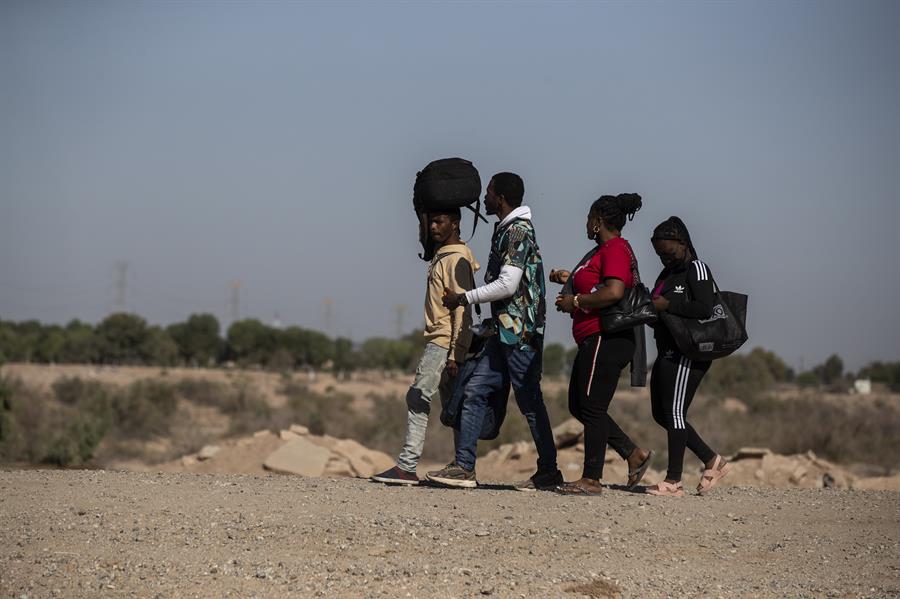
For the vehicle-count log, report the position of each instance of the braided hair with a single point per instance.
(615, 209)
(673, 228)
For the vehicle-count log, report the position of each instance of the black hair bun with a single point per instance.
(629, 203)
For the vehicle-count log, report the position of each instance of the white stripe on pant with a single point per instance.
(681, 383)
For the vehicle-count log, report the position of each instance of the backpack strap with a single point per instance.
(478, 215)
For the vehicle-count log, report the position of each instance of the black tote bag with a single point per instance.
(715, 337)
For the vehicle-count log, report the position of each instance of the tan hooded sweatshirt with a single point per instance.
(452, 267)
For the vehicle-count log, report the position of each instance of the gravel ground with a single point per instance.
(98, 533)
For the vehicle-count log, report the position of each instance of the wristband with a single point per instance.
(575, 302)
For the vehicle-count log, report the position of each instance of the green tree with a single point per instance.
(344, 356)
(80, 345)
(158, 348)
(198, 339)
(120, 338)
(251, 342)
(830, 371)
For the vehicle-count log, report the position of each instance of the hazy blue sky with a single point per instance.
(276, 144)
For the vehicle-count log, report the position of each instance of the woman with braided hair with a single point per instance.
(684, 288)
(600, 280)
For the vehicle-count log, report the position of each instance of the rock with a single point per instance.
(299, 429)
(288, 435)
(364, 461)
(189, 460)
(750, 453)
(734, 405)
(878, 483)
(298, 457)
(262, 433)
(208, 452)
(567, 433)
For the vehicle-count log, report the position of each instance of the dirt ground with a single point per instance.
(103, 533)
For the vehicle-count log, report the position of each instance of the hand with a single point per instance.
(559, 276)
(565, 303)
(452, 368)
(660, 303)
(451, 299)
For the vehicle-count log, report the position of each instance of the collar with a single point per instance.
(523, 212)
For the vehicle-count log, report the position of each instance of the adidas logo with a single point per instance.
(679, 288)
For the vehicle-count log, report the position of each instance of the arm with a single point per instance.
(459, 279)
(503, 287)
(702, 294)
(609, 293)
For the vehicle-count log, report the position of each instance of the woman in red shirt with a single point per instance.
(600, 280)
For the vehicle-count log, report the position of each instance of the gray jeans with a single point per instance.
(430, 381)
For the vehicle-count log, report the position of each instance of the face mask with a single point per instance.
(668, 260)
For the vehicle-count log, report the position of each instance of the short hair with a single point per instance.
(614, 210)
(510, 186)
(453, 213)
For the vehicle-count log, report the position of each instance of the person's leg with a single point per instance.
(578, 381)
(611, 354)
(428, 380)
(489, 376)
(694, 442)
(524, 368)
(674, 413)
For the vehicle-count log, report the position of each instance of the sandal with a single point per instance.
(574, 488)
(711, 476)
(635, 476)
(664, 489)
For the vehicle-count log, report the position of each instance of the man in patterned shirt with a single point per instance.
(514, 286)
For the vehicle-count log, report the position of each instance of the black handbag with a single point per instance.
(634, 309)
(715, 337)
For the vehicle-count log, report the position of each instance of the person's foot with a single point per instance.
(638, 462)
(712, 475)
(666, 489)
(540, 481)
(396, 476)
(453, 475)
(582, 486)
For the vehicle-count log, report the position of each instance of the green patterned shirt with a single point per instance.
(520, 318)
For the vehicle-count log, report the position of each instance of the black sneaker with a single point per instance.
(540, 481)
(453, 475)
(396, 476)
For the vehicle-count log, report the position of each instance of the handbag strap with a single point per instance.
(635, 274)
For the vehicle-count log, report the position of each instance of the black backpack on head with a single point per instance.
(444, 185)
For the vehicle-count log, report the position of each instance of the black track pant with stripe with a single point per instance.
(673, 382)
(595, 375)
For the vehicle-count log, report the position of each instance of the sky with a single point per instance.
(276, 144)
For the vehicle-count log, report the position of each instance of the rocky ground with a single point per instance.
(95, 533)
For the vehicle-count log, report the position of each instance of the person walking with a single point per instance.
(601, 280)
(447, 335)
(684, 288)
(514, 286)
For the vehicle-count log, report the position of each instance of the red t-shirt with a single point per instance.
(612, 260)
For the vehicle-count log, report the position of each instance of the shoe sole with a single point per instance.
(394, 481)
(453, 482)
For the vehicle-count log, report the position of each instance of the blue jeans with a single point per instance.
(430, 381)
(498, 366)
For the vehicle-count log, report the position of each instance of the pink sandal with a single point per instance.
(664, 489)
(712, 476)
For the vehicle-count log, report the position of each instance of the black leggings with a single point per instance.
(673, 382)
(595, 375)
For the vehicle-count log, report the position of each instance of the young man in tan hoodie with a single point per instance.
(447, 333)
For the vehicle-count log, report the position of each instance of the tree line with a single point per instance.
(127, 339)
